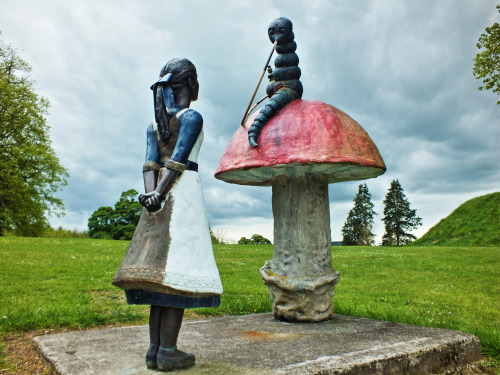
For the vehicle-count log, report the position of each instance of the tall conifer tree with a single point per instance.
(399, 219)
(358, 228)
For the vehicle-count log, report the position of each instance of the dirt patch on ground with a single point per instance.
(22, 357)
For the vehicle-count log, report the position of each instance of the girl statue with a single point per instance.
(170, 263)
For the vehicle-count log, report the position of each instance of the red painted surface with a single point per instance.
(304, 132)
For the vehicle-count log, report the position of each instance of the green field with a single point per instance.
(53, 283)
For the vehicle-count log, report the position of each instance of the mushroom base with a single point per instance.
(304, 299)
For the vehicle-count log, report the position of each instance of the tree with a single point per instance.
(213, 236)
(118, 223)
(100, 223)
(126, 215)
(357, 230)
(487, 62)
(256, 239)
(218, 236)
(244, 241)
(30, 173)
(399, 219)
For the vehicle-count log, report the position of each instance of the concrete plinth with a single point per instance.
(258, 344)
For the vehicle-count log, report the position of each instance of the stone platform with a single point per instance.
(258, 344)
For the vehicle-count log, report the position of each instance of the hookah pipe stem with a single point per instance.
(258, 84)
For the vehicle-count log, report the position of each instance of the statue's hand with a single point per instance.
(143, 199)
(152, 201)
(270, 75)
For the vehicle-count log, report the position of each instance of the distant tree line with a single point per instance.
(120, 222)
(399, 219)
(256, 239)
(218, 236)
(64, 233)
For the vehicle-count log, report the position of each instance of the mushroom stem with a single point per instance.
(300, 277)
(302, 239)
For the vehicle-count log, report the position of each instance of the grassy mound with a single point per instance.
(474, 223)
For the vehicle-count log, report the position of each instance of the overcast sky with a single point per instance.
(401, 68)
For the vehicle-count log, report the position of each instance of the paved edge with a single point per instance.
(445, 358)
(415, 356)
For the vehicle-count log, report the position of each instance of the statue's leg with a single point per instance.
(169, 357)
(171, 320)
(154, 336)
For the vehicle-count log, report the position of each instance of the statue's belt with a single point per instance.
(190, 165)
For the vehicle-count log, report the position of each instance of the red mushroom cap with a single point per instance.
(306, 137)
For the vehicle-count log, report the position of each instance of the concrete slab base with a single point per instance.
(258, 344)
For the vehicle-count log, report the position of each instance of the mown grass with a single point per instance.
(445, 287)
(52, 283)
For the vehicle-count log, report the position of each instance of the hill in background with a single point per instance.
(474, 223)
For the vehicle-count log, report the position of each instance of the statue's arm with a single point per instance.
(151, 164)
(152, 160)
(190, 126)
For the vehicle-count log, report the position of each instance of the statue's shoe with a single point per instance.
(174, 359)
(151, 356)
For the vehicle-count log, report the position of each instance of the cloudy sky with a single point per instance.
(401, 68)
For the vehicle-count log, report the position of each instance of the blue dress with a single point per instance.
(170, 259)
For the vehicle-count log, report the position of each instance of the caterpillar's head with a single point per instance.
(280, 30)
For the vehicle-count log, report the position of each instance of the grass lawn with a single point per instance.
(66, 284)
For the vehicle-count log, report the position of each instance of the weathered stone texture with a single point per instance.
(300, 278)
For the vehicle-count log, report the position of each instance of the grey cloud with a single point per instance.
(402, 69)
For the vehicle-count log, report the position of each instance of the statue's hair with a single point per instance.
(182, 70)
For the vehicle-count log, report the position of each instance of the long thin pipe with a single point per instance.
(258, 84)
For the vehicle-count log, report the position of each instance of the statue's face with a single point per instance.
(280, 30)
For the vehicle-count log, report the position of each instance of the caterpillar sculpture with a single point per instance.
(284, 85)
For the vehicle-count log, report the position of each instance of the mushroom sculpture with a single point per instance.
(305, 147)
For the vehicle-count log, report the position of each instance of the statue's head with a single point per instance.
(280, 30)
(183, 74)
(184, 77)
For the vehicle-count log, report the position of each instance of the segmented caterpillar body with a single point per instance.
(284, 86)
